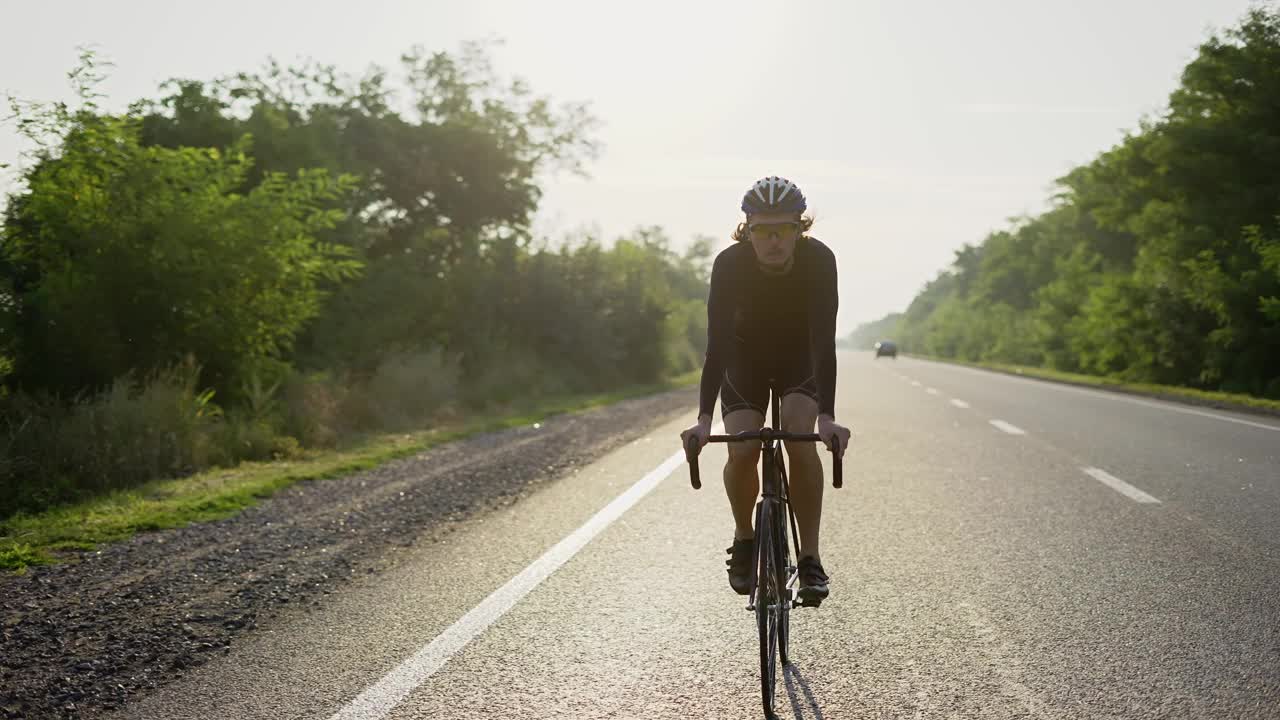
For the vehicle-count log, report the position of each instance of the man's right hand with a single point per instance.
(701, 431)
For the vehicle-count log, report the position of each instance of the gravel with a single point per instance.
(83, 638)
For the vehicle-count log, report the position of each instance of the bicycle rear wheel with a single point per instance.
(770, 597)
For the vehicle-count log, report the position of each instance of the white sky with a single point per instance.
(913, 127)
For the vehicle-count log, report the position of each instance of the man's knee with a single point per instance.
(802, 451)
(744, 454)
(799, 413)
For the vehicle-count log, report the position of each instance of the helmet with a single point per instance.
(773, 194)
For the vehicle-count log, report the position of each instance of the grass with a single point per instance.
(36, 539)
(1224, 400)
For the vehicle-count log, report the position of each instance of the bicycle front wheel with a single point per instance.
(770, 596)
(785, 570)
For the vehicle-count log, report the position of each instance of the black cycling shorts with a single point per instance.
(748, 375)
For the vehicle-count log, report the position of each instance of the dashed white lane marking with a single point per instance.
(932, 391)
(1006, 427)
(1119, 485)
(380, 698)
(915, 383)
(959, 403)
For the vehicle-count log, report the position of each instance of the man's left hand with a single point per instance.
(828, 428)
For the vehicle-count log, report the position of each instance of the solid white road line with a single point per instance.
(1188, 411)
(1006, 427)
(380, 698)
(1118, 485)
(959, 403)
(1170, 405)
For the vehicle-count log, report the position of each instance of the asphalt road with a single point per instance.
(1002, 548)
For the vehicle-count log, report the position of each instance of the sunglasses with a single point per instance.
(764, 230)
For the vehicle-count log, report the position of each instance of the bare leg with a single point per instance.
(804, 471)
(741, 473)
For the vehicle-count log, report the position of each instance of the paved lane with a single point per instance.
(975, 573)
(1220, 469)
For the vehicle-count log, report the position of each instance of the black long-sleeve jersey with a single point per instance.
(754, 312)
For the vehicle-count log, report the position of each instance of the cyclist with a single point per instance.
(771, 316)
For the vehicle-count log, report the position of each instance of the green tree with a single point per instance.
(445, 192)
(126, 258)
(1156, 261)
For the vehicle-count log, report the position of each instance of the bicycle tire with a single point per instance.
(768, 602)
(786, 519)
(784, 575)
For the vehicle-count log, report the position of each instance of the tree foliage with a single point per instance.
(1157, 261)
(122, 257)
(330, 254)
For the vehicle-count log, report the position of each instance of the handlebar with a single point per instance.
(691, 450)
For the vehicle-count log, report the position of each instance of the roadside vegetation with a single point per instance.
(299, 266)
(1158, 262)
(36, 538)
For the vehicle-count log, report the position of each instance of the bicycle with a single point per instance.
(774, 577)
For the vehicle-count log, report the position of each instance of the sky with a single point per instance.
(912, 127)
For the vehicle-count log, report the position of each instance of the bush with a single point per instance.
(405, 390)
(513, 378)
(313, 408)
(134, 431)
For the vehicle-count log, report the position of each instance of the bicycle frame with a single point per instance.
(774, 491)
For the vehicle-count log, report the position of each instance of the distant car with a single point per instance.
(887, 347)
